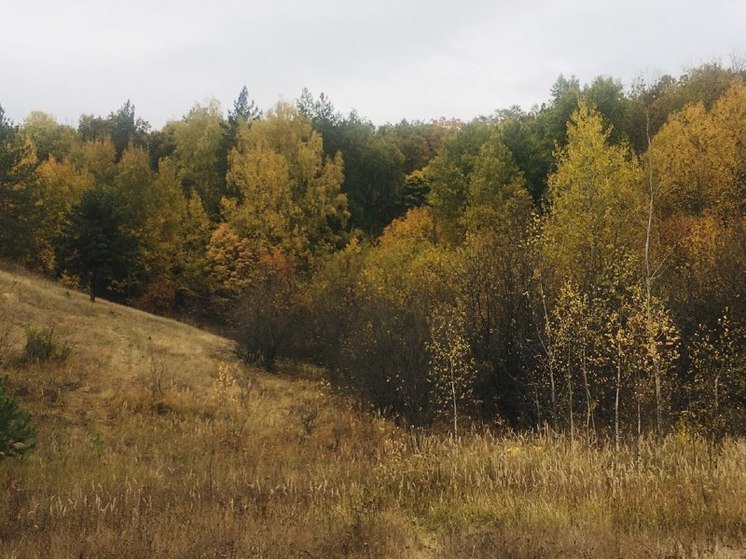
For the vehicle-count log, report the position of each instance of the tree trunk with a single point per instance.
(588, 402)
(550, 359)
(571, 402)
(648, 285)
(616, 401)
(453, 398)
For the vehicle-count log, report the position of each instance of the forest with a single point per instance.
(579, 267)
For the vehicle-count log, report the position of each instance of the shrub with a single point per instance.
(43, 345)
(266, 318)
(16, 429)
(159, 296)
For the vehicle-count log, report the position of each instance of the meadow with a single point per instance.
(155, 441)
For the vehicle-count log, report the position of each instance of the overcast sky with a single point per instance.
(389, 59)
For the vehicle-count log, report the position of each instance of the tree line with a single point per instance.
(579, 266)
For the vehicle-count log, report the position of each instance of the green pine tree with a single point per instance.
(16, 430)
(95, 245)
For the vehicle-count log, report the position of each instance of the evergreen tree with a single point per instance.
(16, 429)
(18, 210)
(121, 127)
(95, 245)
(244, 113)
(373, 164)
(243, 110)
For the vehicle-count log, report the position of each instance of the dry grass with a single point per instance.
(155, 443)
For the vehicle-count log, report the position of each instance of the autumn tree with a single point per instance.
(162, 208)
(266, 315)
(48, 137)
(197, 154)
(452, 370)
(717, 390)
(97, 158)
(132, 185)
(283, 191)
(331, 301)
(231, 259)
(596, 215)
(654, 103)
(642, 351)
(491, 275)
(380, 316)
(597, 223)
(495, 182)
(700, 215)
(173, 241)
(244, 112)
(192, 274)
(414, 191)
(573, 356)
(653, 354)
(60, 185)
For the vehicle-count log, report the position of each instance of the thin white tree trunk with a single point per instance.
(648, 284)
(550, 358)
(453, 399)
(588, 400)
(616, 400)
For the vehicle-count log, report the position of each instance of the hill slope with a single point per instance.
(111, 338)
(155, 442)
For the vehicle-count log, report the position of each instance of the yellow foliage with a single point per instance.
(597, 211)
(61, 185)
(699, 158)
(232, 260)
(285, 192)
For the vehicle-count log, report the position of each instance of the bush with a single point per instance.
(43, 345)
(263, 329)
(159, 296)
(266, 318)
(16, 430)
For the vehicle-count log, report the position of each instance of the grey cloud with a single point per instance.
(389, 59)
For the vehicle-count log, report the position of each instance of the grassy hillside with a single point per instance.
(154, 442)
